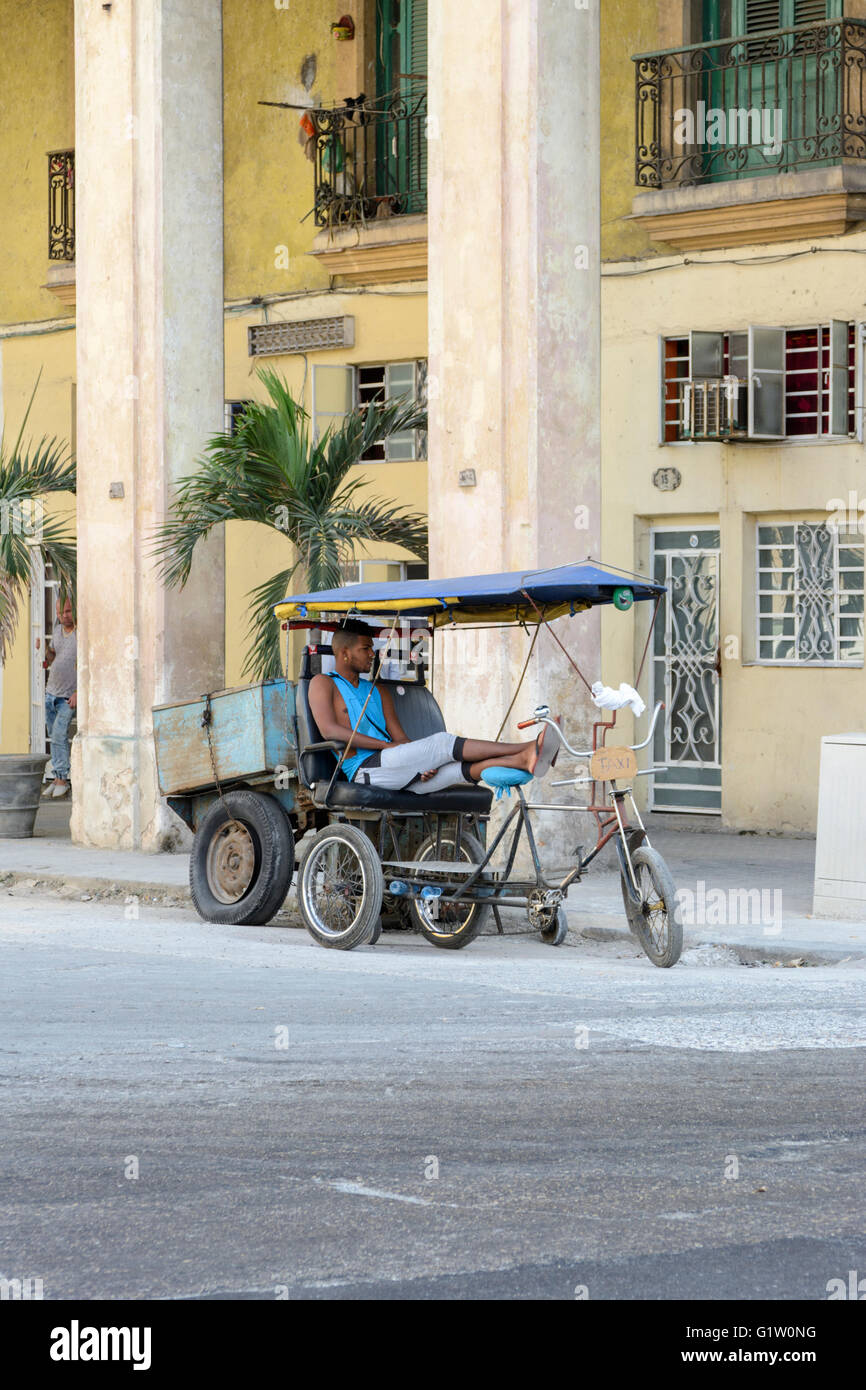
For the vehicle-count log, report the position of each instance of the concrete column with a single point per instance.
(514, 330)
(149, 268)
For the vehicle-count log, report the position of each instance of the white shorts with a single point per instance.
(398, 767)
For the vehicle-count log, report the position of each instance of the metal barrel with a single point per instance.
(20, 786)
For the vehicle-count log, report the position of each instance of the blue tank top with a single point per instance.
(372, 724)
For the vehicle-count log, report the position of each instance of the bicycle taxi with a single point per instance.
(256, 776)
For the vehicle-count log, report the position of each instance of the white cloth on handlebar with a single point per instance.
(606, 698)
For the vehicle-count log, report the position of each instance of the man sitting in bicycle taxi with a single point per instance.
(350, 711)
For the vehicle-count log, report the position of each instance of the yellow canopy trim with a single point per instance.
(444, 618)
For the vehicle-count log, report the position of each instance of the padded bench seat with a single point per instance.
(346, 795)
(419, 716)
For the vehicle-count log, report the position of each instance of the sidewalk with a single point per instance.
(752, 893)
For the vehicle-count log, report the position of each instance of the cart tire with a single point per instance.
(656, 916)
(555, 934)
(460, 925)
(635, 837)
(340, 888)
(242, 860)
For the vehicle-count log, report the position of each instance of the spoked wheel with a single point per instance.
(452, 926)
(654, 914)
(340, 888)
(548, 917)
(635, 837)
(242, 860)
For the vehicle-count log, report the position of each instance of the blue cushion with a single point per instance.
(505, 776)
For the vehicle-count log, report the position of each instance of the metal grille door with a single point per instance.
(685, 676)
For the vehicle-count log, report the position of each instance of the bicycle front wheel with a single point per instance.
(655, 914)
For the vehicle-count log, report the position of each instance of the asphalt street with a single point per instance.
(200, 1112)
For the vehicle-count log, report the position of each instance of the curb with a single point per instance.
(96, 889)
(748, 955)
(87, 889)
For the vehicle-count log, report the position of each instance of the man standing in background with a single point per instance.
(60, 695)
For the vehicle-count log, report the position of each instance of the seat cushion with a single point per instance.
(505, 776)
(453, 800)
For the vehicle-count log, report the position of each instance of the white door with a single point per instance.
(43, 596)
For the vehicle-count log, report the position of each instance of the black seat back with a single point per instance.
(416, 709)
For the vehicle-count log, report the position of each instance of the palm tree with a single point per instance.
(26, 477)
(272, 471)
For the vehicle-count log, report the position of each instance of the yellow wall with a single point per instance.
(37, 94)
(268, 194)
(388, 327)
(268, 180)
(772, 717)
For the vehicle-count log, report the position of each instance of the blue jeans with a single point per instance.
(58, 717)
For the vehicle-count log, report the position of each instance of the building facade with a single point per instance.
(321, 183)
(231, 185)
(734, 172)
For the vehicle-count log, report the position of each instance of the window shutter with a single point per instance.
(838, 377)
(859, 357)
(416, 54)
(706, 354)
(766, 382)
(400, 383)
(333, 397)
(807, 11)
(764, 14)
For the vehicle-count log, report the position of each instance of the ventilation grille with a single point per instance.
(265, 339)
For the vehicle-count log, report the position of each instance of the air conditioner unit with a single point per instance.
(714, 408)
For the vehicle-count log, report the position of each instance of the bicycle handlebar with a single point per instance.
(542, 716)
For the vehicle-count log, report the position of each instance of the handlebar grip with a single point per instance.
(527, 723)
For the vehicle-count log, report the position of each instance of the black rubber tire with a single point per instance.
(555, 934)
(660, 932)
(472, 852)
(274, 847)
(361, 862)
(635, 837)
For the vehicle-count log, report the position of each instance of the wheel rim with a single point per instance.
(653, 910)
(231, 861)
(451, 920)
(334, 885)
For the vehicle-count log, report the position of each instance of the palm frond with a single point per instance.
(26, 477)
(263, 656)
(270, 470)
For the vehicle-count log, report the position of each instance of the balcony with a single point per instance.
(370, 188)
(61, 225)
(752, 139)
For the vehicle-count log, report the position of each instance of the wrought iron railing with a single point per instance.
(764, 103)
(61, 205)
(370, 159)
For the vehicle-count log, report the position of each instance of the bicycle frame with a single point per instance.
(609, 824)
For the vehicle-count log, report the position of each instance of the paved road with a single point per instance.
(509, 1121)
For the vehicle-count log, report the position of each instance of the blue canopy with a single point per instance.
(522, 596)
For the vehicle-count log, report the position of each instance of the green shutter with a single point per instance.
(416, 89)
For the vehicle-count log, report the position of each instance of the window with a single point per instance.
(336, 390)
(401, 82)
(810, 594)
(760, 383)
(233, 412)
(333, 397)
(390, 382)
